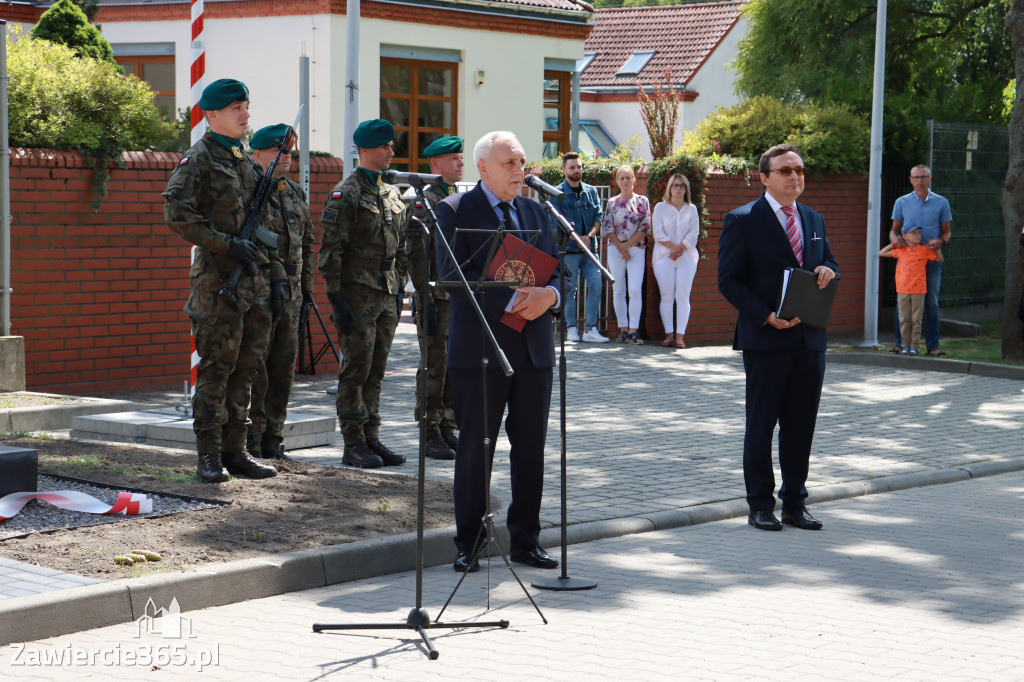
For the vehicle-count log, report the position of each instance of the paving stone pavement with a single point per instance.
(654, 430)
(651, 429)
(918, 584)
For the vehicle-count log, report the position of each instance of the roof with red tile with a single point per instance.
(682, 36)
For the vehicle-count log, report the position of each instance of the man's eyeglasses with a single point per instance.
(787, 171)
(919, 177)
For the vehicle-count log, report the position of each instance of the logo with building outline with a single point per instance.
(168, 623)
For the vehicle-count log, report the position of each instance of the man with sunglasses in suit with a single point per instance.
(784, 360)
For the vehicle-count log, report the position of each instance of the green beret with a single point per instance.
(445, 145)
(221, 93)
(268, 137)
(373, 133)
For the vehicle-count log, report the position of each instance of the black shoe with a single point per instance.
(450, 438)
(763, 519)
(387, 456)
(801, 519)
(437, 448)
(274, 453)
(244, 464)
(535, 556)
(210, 469)
(360, 455)
(462, 564)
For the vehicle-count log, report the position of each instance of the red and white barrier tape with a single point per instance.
(72, 500)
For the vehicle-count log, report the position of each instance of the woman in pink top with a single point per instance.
(676, 229)
(626, 224)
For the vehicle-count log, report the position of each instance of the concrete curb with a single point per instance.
(929, 364)
(24, 619)
(58, 417)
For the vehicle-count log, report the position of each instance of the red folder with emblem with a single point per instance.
(516, 260)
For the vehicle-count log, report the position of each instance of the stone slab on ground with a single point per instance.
(58, 417)
(169, 428)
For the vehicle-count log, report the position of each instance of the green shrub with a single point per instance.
(831, 138)
(58, 100)
(65, 23)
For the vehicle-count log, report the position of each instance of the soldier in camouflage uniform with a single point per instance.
(362, 259)
(290, 219)
(445, 157)
(207, 200)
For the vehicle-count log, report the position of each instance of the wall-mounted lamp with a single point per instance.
(478, 77)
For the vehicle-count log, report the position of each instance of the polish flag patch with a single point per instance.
(335, 194)
(183, 161)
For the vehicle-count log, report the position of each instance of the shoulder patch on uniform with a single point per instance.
(336, 194)
(183, 161)
(330, 215)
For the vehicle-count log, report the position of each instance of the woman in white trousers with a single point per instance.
(626, 224)
(676, 229)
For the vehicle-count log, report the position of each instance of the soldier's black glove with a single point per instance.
(343, 314)
(431, 319)
(243, 251)
(278, 297)
(307, 305)
(415, 226)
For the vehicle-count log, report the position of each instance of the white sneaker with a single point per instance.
(572, 334)
(594, 336)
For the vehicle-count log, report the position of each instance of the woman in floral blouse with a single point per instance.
(626, 224)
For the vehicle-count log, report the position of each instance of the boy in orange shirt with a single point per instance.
(911, 283)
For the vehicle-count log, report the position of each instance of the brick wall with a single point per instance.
(98, 296)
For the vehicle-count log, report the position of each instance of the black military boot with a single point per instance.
(437, 447)
(274, 453)
(390, 458)
(210, 469)
(450, 438)
(244, 464)
(360, 455)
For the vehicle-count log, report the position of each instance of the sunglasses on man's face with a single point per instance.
(786, 171)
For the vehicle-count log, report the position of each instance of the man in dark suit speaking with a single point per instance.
(500, 161)
(784, 360)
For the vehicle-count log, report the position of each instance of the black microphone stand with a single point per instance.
(564, 582)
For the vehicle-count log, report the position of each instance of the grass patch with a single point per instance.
(985, 348)
(90, 465)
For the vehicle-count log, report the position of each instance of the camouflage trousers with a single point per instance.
(364, 358)
(231, 338)
(439, 393)
(272, 384)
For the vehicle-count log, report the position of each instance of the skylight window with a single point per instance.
(636, 63)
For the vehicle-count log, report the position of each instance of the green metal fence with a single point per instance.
(969, 165)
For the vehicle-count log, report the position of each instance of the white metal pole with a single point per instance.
(304, 122)
(873, 237)
(352, 83)
(5, 192)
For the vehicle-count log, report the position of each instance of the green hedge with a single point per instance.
(830, 138)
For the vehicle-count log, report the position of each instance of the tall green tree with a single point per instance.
(949, 59)
(67, 24)
(1013, 198)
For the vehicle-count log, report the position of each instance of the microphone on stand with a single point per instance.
(541, 186)
(415, 179)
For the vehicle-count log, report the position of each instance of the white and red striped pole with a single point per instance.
(198, 126)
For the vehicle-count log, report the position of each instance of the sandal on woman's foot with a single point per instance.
(679, 341)
(634, 338)
(669, 340)
(623, 336)
(937, 353)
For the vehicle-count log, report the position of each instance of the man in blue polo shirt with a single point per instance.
(582, 207)
(929, 211)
